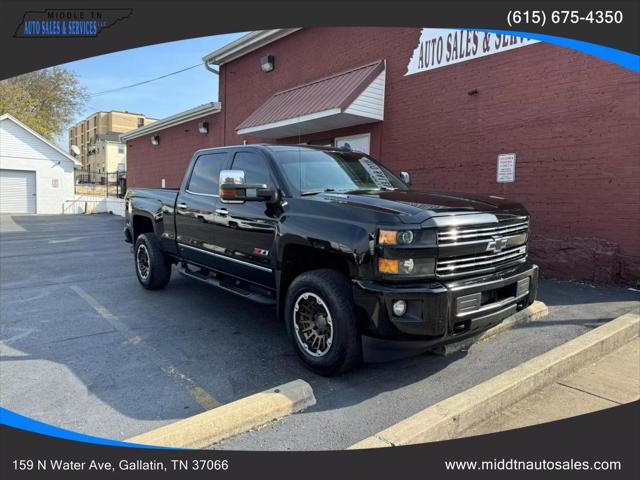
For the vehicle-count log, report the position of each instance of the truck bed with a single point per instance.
(166, 195)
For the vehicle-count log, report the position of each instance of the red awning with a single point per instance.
(349, 98)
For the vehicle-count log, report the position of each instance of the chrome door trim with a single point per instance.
(202, 194)
(225, 257)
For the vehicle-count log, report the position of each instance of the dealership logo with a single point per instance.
(69, 23)
(497, 244)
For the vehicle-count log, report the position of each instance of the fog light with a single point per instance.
(406, 266)
(399, 308)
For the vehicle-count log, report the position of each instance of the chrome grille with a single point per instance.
(479, 263)
(455, 235)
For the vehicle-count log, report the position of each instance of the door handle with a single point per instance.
(182, 205)
(222, 211)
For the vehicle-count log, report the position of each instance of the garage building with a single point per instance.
(462, 111)
(35, 175)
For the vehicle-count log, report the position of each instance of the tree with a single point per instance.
(46, 100)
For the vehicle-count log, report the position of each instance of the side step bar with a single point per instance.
(239, 289)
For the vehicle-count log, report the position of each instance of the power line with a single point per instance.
(117, 89)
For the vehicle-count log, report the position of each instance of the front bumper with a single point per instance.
(438, 312)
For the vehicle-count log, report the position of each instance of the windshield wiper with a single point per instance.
(355, 190)
(370, 190)
(315, 192)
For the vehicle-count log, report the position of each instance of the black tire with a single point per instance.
(334, 291)
(156, 274)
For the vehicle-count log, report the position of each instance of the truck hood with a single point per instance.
(412, 206)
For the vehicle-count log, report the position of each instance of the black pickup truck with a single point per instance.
(343, 248)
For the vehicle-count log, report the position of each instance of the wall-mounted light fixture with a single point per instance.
(155, 140)
(267, 63)
(203, 127)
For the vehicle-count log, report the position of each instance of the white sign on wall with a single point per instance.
(441, 47)
(506, 172)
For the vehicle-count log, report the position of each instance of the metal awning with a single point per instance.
(349, 98)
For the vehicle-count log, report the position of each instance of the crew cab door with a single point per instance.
(196, 209)
(247, 230)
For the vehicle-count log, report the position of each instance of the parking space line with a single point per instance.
(102, 310)
(66, 240)
(204, 399)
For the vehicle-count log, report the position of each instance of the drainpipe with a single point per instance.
(224, 118)
(208, 67)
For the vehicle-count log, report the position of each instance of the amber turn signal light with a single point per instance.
(227, 192)
(388, 237)
(386, 265)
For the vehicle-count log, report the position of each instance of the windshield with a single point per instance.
(315, 171)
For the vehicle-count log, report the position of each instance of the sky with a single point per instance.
(157, 99)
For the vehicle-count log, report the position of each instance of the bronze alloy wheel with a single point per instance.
(313, 324)
(142, 261)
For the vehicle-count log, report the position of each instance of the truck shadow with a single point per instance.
(243, 348)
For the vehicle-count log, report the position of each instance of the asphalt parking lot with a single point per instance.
(84, 347)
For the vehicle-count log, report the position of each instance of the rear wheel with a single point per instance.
(153, 267)
(321, 322)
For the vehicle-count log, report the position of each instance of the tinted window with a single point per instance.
(206, 173)
(254, 166)
(313, 171)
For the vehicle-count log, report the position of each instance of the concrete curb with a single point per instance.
(231, 419)
(533, 312)
(447, 419)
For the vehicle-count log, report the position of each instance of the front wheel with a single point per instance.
(153, 267)
(321, 323)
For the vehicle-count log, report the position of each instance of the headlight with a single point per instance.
(396, 237)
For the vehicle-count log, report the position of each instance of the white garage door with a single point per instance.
(17, 191)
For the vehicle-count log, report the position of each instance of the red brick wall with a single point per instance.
(148, 164)
(571, 119)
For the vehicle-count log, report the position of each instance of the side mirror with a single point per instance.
(233, 189)
(405, 177)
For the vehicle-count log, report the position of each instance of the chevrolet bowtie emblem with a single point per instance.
(496, 244)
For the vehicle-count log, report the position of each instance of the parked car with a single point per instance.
(343, 248)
